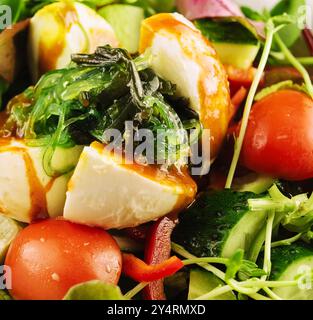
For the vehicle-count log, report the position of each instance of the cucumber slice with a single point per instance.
(126, 22)
(253, 182)
(291, 263)
(9, 228)
(218, 224)
(202, 282)
(234, 39)
(238, 55)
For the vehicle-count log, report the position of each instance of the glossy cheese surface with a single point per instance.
(61, 29)
(109, 193)
(26, 192)
(183, 56)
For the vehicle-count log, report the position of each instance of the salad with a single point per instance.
(157, 150)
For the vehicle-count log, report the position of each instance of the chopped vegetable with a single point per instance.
(158, 250)
(127, 33)
(142, 272)
(218, 224)
(234, 39)
(293, 263)
(279, 123)
(49, 257)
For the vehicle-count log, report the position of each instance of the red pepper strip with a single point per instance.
(240, 77)
(238, 98)
(158, 249)
(138, 270)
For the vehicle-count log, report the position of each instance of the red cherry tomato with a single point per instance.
(279, 137)
(49, 257)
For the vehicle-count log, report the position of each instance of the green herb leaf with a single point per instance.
(300, 220)
(249, 269)
(94, 290)
(252, 14)
(234, 264)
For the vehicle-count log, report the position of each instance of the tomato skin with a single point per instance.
(49, 257)
(279, 136)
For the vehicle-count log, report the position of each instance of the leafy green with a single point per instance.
(234, 264)
(244, 269)
(297, 211)
(300, 220)
(98, 92)
(252, 14)
(94, 290)
(249, 269)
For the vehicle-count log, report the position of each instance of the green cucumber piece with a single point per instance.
(126, 22)
(234, 39)
(238, 55)
(9, 228)
(219, 223)
(202, 282)
(253, 182)
(289, 263)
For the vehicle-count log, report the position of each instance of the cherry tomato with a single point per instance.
(49, 257)
(279, 137)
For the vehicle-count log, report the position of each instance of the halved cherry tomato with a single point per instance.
(49, 257)
(279, 136)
